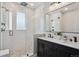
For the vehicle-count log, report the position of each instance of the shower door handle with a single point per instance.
(10, 32)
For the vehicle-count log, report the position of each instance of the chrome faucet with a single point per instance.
(49, 35)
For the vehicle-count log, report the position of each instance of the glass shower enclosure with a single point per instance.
(3, 19)
(7, 41)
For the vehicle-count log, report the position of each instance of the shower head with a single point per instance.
(24, 4)
(6, 9)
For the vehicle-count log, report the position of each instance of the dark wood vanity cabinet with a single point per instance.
(50, 49)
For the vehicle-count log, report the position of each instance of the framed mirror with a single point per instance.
(65, 19)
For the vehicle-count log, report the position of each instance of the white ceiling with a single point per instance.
(30, 4)
(35, 4)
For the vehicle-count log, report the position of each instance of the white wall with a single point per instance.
(39, 18)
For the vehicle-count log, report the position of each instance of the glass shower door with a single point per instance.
(3, 19)
(4, 51)
(3, 16)
(10, 37)
(0, 26)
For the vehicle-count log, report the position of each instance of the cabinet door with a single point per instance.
(61, 51)
(50, 51)
(56, 50)
(41, 48)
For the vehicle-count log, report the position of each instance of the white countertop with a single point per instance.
(62, 42)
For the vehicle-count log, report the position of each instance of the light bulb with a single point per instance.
(65, 9)
(31, 4)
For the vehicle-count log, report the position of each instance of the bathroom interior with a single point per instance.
(39, 29)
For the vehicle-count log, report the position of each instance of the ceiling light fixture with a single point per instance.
(65, 9)
(31, 4)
